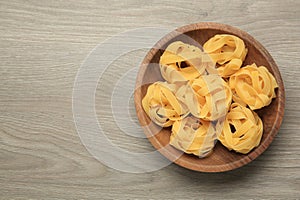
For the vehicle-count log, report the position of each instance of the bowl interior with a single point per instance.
(221, 159)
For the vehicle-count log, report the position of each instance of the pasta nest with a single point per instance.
(193, 136)
(242, 129)
(183, 62)
(210, 97)
(228, 51)
(164, 103)
(253, 86)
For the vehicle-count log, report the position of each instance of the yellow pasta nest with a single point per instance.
(164, 103)
(242, 129)
(253, 86)
(228, 51)
(193, 136)
(210, 99)
(182, 62)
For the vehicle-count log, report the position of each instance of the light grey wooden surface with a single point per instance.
(42, 45)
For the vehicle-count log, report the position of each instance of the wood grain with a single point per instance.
(43, 44)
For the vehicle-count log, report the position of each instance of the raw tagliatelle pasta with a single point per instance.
(203, 103)
(228, 51)
(164, 103)
(253, 86)
(210, 99)
(183, 62)
(193, 136)
(242, 129)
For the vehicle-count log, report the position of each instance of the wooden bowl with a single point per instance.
(221, 159)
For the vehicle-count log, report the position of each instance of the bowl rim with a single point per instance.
(280, 94)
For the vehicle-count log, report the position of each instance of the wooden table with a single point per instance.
(42, 46)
